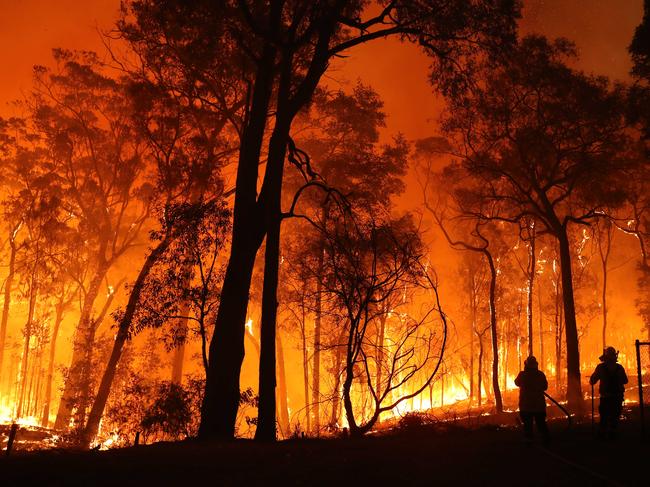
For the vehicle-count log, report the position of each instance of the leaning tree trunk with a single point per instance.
(97, 410)
(85, 399)
(574, 387)
(498, 402)
(84, 329)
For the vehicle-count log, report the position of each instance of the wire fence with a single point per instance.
(642, 381)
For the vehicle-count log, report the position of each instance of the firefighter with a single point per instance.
(532, 406)
(612, 378)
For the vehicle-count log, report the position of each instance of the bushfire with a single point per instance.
(215, 227)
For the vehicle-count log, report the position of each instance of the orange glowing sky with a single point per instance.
(601, 28)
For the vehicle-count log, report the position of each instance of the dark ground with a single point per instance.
(418, 455)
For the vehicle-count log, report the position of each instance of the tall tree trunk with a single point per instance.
(574, 387)
(221, 399)
(498, 402)
(336, 396)
(316, 397)
(604, 249)
(266, 418)
(9, 282)
(97, 410)
(532, 264)
(558, 340)
(473, 330)
(305, 365)
(480, 370)
(28, 335)
(540, 319)
(315, 383)
(380, 349)
(283, 411)
(45, 418)
(472, 307)
(79, 353)
(270, 196)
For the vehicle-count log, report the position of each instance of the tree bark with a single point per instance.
(574, 387)
(266, 417)
(28, 335)
(79, 352)
(305, 365)
(480, 370)
(498, 402)
(315, 383)
(97, 410)
(221, 400)
(540, 326)
(532, 264)
(283, 411)
(271, 198)
(473, 330)
(604, 249)
(336, 396)
(380, 350)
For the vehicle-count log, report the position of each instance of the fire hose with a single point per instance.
(562, 408)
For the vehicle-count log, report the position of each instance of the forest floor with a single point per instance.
(417, 454)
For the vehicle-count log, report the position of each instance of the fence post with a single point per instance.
(639, 377)
(12, 437)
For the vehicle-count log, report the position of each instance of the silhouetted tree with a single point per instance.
(281, 51)
(369, 263)
(340, 135)
(188, 158)
(542, 142)
(80, 117)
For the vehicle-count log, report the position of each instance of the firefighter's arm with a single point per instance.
(595, 377)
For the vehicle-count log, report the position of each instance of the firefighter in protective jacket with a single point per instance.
(612, 378)
(532, 406)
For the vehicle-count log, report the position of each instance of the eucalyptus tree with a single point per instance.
(278, 53)
(80, 115)
(542, 142)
